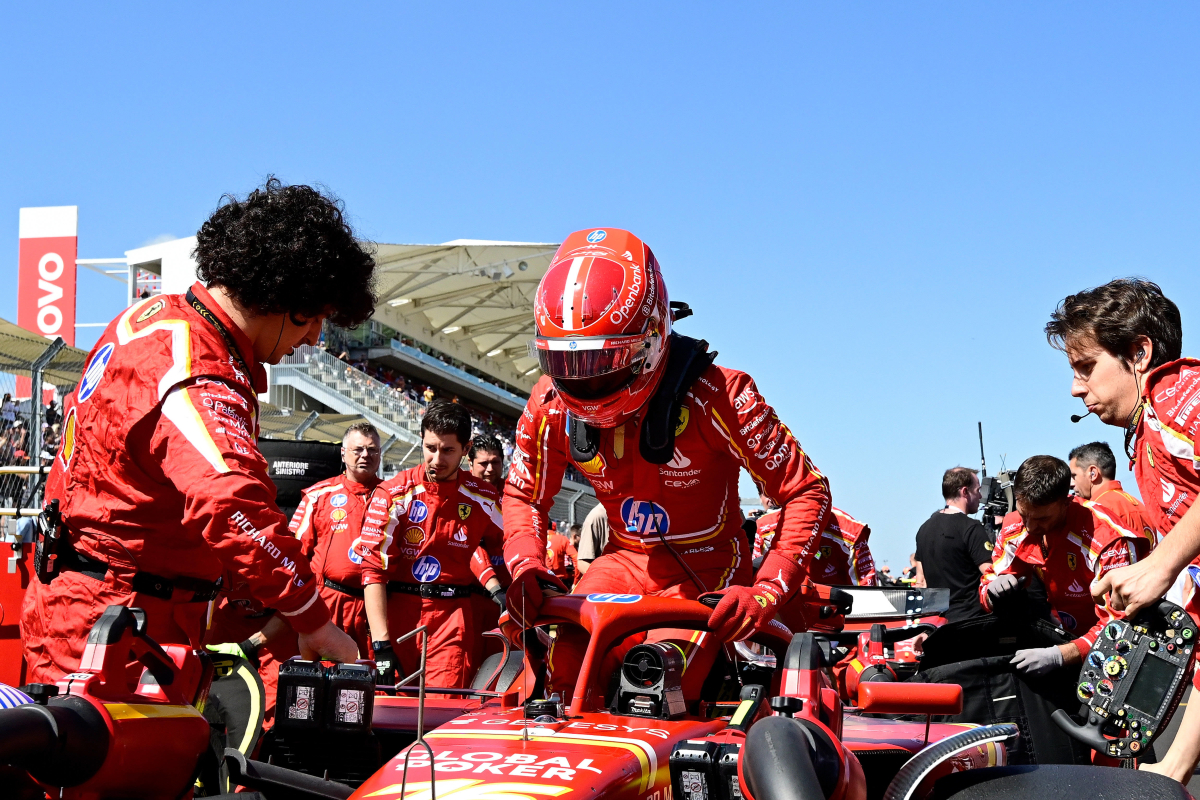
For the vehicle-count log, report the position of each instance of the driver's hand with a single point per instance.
(328, 643)
(1002, 586)
(525, 595)
(1038, 660)
(741, 611)
(1132, 588)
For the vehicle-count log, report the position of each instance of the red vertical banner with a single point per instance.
(46, 273)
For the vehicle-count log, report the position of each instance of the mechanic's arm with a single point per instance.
(375, 542)
(204, 445)
(301, 525)
(862, 563)
(919, 582)
(1139, 585)
(375, 603)
(1181, 758)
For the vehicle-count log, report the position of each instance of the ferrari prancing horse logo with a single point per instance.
(1072, 562)
(464, 511)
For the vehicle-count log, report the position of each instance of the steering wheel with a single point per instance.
(611, 617)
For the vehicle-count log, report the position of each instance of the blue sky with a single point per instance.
(871, 207)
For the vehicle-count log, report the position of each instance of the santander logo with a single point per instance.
(1167, 487)
(680, 461)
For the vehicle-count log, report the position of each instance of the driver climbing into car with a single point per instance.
(661, 433)
(1067, 545)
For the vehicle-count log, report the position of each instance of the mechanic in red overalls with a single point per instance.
(1094, 479)
(485, 459)
(661, 433)
(844, 557)
(1066, 545)
(418, 536)
(1124, 342)
(328, 522)
(160, 481)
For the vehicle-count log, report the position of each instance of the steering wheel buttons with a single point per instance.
(1112, 630)
(1096, 659)
(1135, 746)
(1085, 691)
(1153, 644)
(1187, 633)
(1134, 724)
(1123, 646)
(1104, 688)
(1170, 647)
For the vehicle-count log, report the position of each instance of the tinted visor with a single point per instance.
(589, 357)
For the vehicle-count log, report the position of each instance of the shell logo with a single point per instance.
(463, 789)
(68, 439)
(595, 466)
(338, 514)
(414, 535)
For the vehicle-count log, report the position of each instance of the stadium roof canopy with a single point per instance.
(470, 299)
(19, 349)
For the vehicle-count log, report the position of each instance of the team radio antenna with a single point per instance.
(982, 457)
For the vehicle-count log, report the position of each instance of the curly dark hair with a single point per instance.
(486, 443)
(1114, 315)
(287, 250)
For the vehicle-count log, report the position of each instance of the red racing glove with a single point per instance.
(525, 594)
(743, 611)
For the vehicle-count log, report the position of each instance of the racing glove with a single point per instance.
(525, 593)
(1038, 661)
(385, 663)
(247, 650)
(1001, 587)
(498, 598)
(742, 611)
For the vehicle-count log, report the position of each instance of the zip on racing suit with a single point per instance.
(1089, 544)
(844, 557)
(328, 522)
(162, 487)
(418, 538)
(683, 512)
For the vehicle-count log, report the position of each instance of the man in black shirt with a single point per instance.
(953, 550)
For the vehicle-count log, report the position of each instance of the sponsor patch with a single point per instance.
(1067, 620)
(613, 598)
(155, 307)
(597, 236)
(68, 439)
(1072, 562)
(460, 535)
(426, 569)
(338, 514)
(464, 511)
(684, 415)
(644, 517)
(414, 535)
(418, 511)
(95, 371)
(338, 500)
(594, 467)
(353, 554)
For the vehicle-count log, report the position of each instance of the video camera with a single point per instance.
(997, 501)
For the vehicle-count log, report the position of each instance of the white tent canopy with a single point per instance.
(470, 299)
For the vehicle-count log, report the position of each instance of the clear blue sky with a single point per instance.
(872, 207)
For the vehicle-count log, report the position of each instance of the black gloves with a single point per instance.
(499, 598)
(250, 650)
(385, 663)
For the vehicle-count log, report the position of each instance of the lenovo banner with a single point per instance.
(46, 278)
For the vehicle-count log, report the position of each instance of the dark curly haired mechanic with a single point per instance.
(161, 484)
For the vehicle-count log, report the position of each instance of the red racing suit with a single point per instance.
(691, 502)
(328, 522)
(844, 557)
(1165, 462)
(162, 487)
(561, 556)
(1089, 544)
(486, 566)
(418, 538)
(1125, 509)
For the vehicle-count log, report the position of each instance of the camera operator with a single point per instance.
(1065, 544)
(953, 550)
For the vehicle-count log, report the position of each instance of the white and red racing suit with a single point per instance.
(684, 512)
(844, 557)
(418, 539)
(162, 487)
(1089, 544)
(328, 522)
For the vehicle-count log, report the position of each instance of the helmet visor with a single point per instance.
(589, 357)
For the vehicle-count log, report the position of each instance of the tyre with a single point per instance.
(1057, 782)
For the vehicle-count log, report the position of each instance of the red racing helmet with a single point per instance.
(603, 325)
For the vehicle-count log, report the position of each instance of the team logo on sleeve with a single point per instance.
(95, 371)
(418, 511)
(426, 569)
(155, 307)
(338, 500)
(464, 511)
(645, 518)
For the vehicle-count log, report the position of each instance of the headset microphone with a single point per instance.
(1077, 417)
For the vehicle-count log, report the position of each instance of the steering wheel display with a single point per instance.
(1132, 680)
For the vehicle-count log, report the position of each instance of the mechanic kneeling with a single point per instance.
(159, 478)
(1067, 545)
(419, 534)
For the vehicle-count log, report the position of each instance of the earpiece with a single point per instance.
(1141, 354)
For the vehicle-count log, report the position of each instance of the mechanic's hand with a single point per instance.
(498, 598)
(247, 650)
(525, 594)
(1002, 586)
(385, 663)
(741, 611)
(1038, 661)
(1134, 587)
(328, 643)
